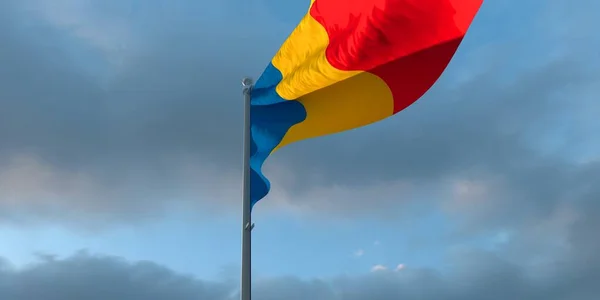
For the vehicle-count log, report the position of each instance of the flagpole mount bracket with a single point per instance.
(249, 226)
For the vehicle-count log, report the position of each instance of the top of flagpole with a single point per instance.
(247, 83)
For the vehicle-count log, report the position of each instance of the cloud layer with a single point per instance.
(148, 116)
(474, 275)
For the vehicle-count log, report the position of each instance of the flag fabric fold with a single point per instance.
(350, 63)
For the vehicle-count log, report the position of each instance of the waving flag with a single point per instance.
(350, 63)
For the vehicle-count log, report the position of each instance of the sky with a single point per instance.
(120, 161)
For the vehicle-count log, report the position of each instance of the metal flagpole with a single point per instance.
(245, 290)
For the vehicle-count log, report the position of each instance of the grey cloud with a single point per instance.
(86, 277)
(473, 275)
(171, 101)
(117, 143)
(180, 95)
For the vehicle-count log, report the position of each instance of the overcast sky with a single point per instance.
(120, 139)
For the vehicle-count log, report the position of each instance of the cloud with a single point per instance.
(130, 129)
(132, 110)
(474, 275)
(359, 253)
(399, 267)
(94, 277)
(378, 268)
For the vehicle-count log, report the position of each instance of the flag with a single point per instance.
(350, 63)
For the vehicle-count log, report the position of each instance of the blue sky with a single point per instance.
(120, 131)
(282, 246)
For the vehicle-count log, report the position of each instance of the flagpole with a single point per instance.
(246, 282)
